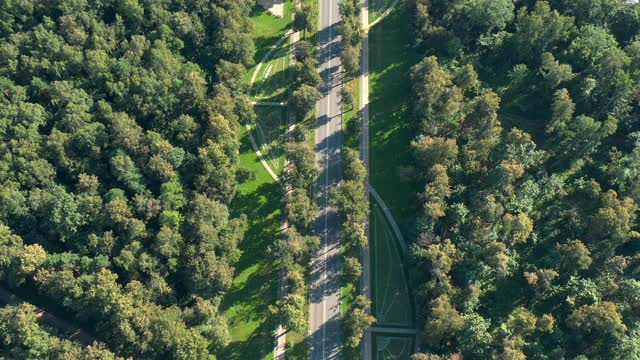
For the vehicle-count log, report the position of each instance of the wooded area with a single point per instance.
(119, 123)
(527, 157)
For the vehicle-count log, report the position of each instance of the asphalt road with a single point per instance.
(325, 271)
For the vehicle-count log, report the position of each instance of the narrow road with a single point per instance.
(324, 325)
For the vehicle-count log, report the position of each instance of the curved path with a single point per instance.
(384, 15)
(364, 153)
(265, 58)
(254, 144)
(280, 343)
(389, 216)
(259, 153)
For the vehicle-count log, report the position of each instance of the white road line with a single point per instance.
(326, 192)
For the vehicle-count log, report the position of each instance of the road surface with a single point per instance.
(324, 326)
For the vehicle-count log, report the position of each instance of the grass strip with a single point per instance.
(255, 284)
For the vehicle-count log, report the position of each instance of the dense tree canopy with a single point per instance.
(526, 163)
(119, 152)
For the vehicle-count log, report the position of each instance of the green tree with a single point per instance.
(538, 30)
(590, 45)
(429, 151)
(301, 210)
(470, 19)
(562, 110)
(307, 72)
(443, 322)
(346, 97)
(438, 103)
(350, 59)
(357, 321)
(466, 78)
(352, 269)
(291, 313)
(573, 256)
(553, 72)
(602, 317)
(475, 336)
(303, 169)
(436, 193)
(303, 50)
(304, 99)
(306, 18)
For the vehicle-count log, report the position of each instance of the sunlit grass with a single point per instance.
(255, 284)
(377, 7)
(390, 121)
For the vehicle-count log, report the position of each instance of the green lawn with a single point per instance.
(255, 284)
(391, 296)
(377, 7)
(350, 118)
(390, 127)
(270, 131)
(270, 84)
(392, 346)
(267, 29)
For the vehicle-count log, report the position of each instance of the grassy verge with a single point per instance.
(390, 130)
(392, 346)
(270, 133)
(267, 29)
(255, 284)
(390, 124)
(351, 139)
(297, 342)
(377, 7)
(350, 118)
(390, 292)
(270, 84)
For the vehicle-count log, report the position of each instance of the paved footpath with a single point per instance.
(324, 296)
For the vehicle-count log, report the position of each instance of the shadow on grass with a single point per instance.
(377, 8)
(252, 348)
(298, 351)
(269, 29)
(391, 123)
(274, 88)
(270, 129)
(255, 284)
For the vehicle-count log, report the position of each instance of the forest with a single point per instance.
(527, 157)
(119, 157)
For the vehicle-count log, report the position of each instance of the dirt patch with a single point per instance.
(275, 7)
